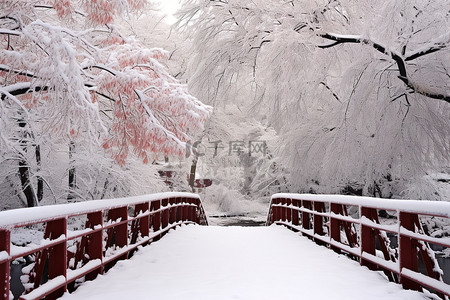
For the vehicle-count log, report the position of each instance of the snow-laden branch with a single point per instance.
(439, 43)
(5, 92)
(10, 32)
(103, 68)
(155, 121)
(398, 58)
(7, 69)
(19, 89)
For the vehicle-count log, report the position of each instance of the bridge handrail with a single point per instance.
(110, 234)
(423, 207)
(32, 215)
(324, 219)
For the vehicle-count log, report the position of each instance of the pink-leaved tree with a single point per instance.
(68, 74)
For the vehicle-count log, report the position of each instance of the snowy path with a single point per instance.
(201, 262)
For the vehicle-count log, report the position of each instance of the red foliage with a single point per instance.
(74, 74)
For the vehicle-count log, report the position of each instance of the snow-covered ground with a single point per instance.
(200, 262)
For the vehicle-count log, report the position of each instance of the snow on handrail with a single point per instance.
(24, 216)
(425, 207)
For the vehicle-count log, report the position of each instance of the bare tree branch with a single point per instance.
(17, 72)
(441, 43)
(403, 76)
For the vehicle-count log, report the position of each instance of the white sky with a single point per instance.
(169, 7)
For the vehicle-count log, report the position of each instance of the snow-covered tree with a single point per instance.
(69, 76)
(357, 91)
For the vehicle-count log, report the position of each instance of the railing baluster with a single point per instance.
(288, 210)
(165, 213)
(335, 225)
(5, 242)
(172, 211)
(57, 259)
(306, 222)
(94, 248)
(367, 238)
(191, 217)
(408, 251)
(180, 209)
(295, 217)
(144, 225)
(318, 220)
(156, 217)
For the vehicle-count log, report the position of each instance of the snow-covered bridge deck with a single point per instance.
(208, 262)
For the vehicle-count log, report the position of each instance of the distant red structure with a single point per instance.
(202, 183)
(167, 176)
(198, 183)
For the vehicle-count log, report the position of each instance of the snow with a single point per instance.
(17, 251)
(444, 241)
(47, 287)
(3, 256)
(437, 208)
(347, 36)
(390, 265)
(17, 86)
(356, 251)
(89, 266)
(389, 228)
(25, 216)
(426, 280)
(209, 262)
(435, 43)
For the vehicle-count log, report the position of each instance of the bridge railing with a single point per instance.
(76, 242)
(351, 225)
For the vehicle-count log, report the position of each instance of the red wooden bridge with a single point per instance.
(82, 240)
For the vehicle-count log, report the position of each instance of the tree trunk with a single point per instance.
(72, 172)
(192, 174)
(40, 181)
(27, 188)
(24, 171)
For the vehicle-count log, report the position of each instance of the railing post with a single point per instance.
(5, 244)
(288, 210)
(164, 213)
(408, 251)
(295, 218)
(306, 222)
(186, 209)
(283, 210)
(95, 241)
(276, 211)
(367, 237)
(144, 223)
(156, 217)
(57, 260)
(140, 225)
(197, 211)
(335, 225)
(180, 209)
(318, 220)
(191, 211)
(118, 234)
(270, 215)
(120, 231)
(172, 210)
